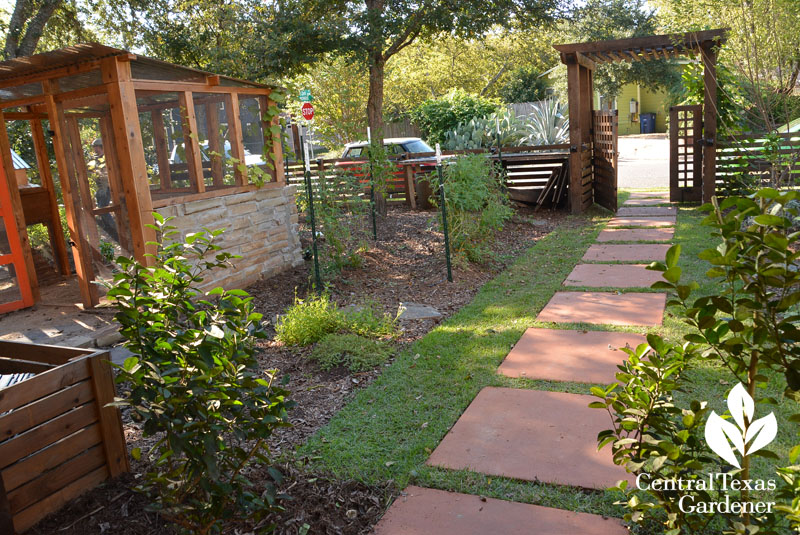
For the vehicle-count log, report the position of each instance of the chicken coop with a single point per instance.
(107, 138)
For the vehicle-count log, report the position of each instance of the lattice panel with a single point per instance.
(686, 153)
(605, 158)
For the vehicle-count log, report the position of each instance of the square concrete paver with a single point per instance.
(646, 211)
(612, 276)
(644, 202)
(641, 221)
(627, 253)
(436, 512)
(531, 435)
(601, 308)
(566, 355)
(649, 195)
(636, 234)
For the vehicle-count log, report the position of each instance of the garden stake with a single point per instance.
(310, 191)
(444, 224)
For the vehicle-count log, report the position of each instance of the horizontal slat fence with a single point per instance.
(529, 171)
(749, 158)
(57, 437)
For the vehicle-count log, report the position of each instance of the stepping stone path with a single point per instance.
(567, 355)
(416, 311)
(544, 436)
(612, 276)
(436, 512)
(626, 253)
(636, 234)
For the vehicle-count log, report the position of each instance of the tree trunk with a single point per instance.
(18, 17)
(19, 43)
(377, 65)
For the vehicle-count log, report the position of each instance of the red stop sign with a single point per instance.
(308, 111)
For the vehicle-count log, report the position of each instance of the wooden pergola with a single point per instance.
(164, 133)
(593, 146)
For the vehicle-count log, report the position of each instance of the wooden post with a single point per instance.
(130, 150)
(115, 183)
(710, 112)
(12, 206)
(411, 194)
(82, 178)
(69, 190)
(114, 447)
(215, 152)
(235, 135)
(191, 141)
(575, 134)
(43, 162)
(162, 153)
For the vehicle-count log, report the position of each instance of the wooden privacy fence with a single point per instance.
(57, 437)
(752, 160)
(534, 174)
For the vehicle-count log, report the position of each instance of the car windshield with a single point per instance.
(417, 146)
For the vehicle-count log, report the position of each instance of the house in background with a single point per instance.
(641, 110)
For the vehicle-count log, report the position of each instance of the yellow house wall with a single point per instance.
(649, 102)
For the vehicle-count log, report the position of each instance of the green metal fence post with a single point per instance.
(310, 191)
(442, 201)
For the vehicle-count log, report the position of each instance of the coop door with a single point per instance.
(686, 153)
(15, 287)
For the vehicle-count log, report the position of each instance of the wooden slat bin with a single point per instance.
(57, 437)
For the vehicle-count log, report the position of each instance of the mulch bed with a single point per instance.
(406, 264)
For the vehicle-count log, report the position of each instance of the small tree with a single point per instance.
(195, 384)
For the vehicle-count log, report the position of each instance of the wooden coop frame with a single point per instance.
(588, 153)
(117, 90)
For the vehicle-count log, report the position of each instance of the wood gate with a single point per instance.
(604, 158)
(686, 153)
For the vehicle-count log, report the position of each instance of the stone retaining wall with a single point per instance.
(260, 226)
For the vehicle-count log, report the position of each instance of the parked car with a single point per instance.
(178, 153)
(395, 146)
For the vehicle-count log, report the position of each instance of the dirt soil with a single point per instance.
(406, 264)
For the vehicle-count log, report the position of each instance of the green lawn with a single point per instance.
(388, 430)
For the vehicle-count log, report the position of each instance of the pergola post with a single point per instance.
(709, 57)
(575, 105)
(128, 142)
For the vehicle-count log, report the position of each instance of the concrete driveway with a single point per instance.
(643, 161)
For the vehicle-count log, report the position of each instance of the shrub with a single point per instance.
(196, 385)
(357, 353)
(751, 327)
(436, 117)
(309, 320)
(477, 205)
(547, 124)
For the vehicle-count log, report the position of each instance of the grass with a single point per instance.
(389, 429)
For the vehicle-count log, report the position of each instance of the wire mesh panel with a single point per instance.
(605, 158)
(686, 153)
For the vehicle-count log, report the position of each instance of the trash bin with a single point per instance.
(647, 123)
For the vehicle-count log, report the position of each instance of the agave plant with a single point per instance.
(484, 132)
(547, 124)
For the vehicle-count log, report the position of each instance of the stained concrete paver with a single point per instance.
(427, 512)
(636, 234)
(568, 355)
(641, 221)
(626, 253)
(602, 308)
(646, 211)
(612, 276)
(531, 435)
(649, 195)
(644, 202)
